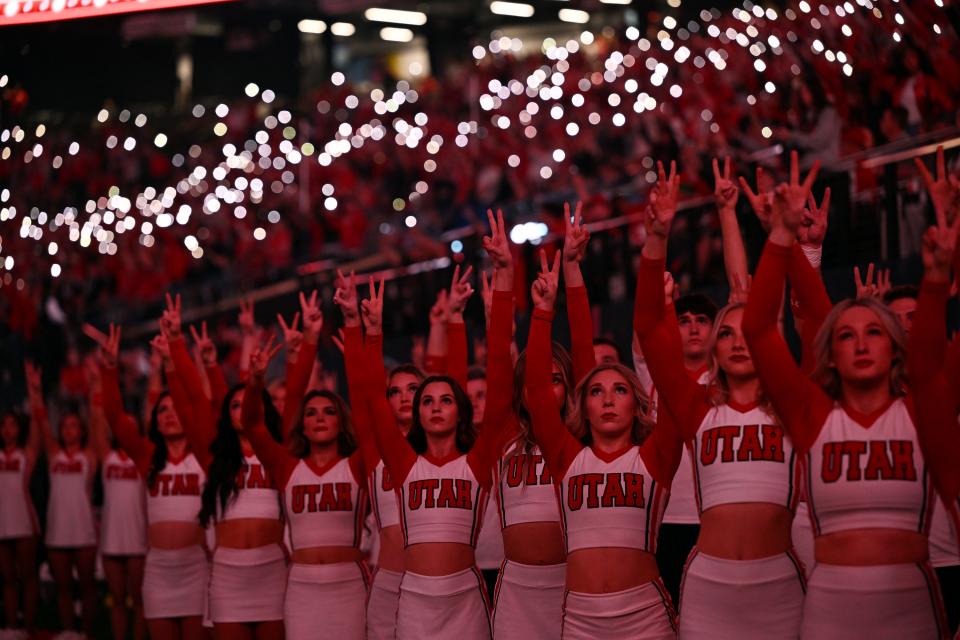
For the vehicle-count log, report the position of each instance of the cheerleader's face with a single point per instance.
(8, 431)
(860, 347)
(730, 349)
(71, 431)
(400, 391)
(321, 422)
(477, 392)
(558, 386)
(168, 423)
(236, 408)
(438, 409)
(610, 405)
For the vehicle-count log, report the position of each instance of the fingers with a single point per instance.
(283, 324)
(870, 269)
(812, 176)
(502, 228)
(578, 214)
(492, 222)
(196, 336)
(466, 275)
(661, 174)
(825, 203)
(751, 196)
(674, 178)
(555, 269)
(716, 171)
(856, 278)
(456, 275)
(924, 172)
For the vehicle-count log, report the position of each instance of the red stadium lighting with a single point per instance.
(26, 11)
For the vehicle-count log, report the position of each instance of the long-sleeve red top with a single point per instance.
(123, 425)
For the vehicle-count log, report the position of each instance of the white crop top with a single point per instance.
(872, 477)
(611, 502)
(325, 507)
(257, 496)
(17, 516)
(384, 500)
(175, 494)
(441, 503)
(742, 455)
(525, 490)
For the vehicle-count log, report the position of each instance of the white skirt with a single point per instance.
(528, 602)
(383, 604)
(248, 585)
(452, 607)
(638, 613)
(714, 593)
(175, 582)
(894, 601)
(326, 601)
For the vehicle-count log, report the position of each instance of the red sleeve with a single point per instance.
(153, 394)
(193, 407)
(498, 418)
(801, 405)
(927, 345)
(951, 371)
(938, 433)
(123, 426)
(660, 340)
(397, 454)
(275, 457)
(354, 359)
(662, 450)
(298, 378)
(813, 303)
(457, 353)
(581, 333)
(648, 305)
(558, 446)
(360, 472)
(218, 387)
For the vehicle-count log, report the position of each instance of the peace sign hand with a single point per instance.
(944, 190)
(544, 290)
(261, 357)
(496, 244)
(372, 309)
(170, 320)
(248, 325)
(312, 317)
(663, 201)
(204, 345)
(760, 201)
(346, 298)
(789, 198)
(577, 237)
(291, 337)
(460, 292)
(110, 348)
(725, 190)
(813, 229)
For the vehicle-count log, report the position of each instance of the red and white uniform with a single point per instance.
(123, 522)
(325, 507)
(606, 500)
(863, 472)
(69, 511)
(18, 519)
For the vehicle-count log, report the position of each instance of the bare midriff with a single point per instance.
(249, 533)
(865, 547)
(609, 569)
(174, 535)
(745, 531)
(326, 555)
(391, 549)
(439, 558)
(535, 543)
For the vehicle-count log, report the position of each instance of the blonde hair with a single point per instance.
(825, 373)
(643, 415)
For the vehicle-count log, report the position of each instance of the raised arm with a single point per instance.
(575, 244)
(353, 360)
(460, 292)
(275, 457)
(248, 331)
(123, 426)
(298, 374)
(725, 194)
(38, 410)
(558, 446)
(435, 362)
(397, 454)
(800, 404)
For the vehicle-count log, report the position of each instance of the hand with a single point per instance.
(496, 244)
(669, 288)
(110, 348)
(866, 288)
(261, 357)
(372, 309)
(204, 345)
(740, 289)
(544, 290)
(460, 291)
(725, 191)
(33, 375)
(346, 298)
(339, 340)
(439, 312)
(161, 348)
(813, 229)
(577, 237)
(291, 337)
(663, 201)
(312, 317)
(938, 249)
(101, 339)
(789, 198)
(945, 190)
(248, 325)
(761, 202)
(170, 320)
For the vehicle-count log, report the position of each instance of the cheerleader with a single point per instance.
(528, 599)
(321, 478)
(71, 533)
(240, 495)
(18, 520)
(746, 475)
(612, 481)
(123, 525)
(441, 480)
(868, 485)
(176, 570)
